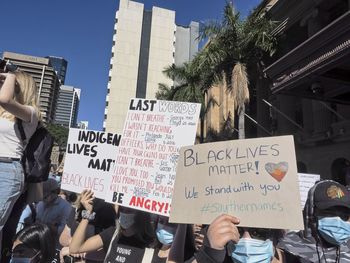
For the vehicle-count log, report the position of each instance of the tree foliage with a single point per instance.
(60, 134)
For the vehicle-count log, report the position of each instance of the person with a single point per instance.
(33, 244)
(327, 227)
(129, 241)
(53, 210)
(104, 218)
(226, 242)
(18, 101)
(165, 233)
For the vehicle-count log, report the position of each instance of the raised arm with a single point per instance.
(78, 243)
(8, 91)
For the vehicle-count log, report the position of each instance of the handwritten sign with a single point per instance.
(145, 169)
(306, 181)
(254, 180)
(89, 160)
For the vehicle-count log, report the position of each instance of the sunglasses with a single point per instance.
(257, 233)
(7, 66)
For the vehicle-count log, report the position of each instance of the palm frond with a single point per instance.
(239, 85)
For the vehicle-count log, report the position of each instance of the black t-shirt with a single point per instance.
(124, 250)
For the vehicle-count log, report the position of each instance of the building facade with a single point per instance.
(67, 106)
(84, 125)
(310, 83)
(144, 43)
(44, 75)
(60, 66)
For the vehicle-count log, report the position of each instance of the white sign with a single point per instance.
(89, 160)
(145, 169)
(306, 181)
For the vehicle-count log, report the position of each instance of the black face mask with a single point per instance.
(24, 254)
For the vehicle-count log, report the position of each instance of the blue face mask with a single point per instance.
(249, 250)
(165, 234)
(334, 230)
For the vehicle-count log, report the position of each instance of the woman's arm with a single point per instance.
(78, 243)
(7, 93)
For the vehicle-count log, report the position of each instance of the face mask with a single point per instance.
(165, 234)
(334, 230)
(126, 220)
(249, 250)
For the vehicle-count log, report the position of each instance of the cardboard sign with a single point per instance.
(306, 181)
(254, 180)
(89, 160)
(145, 169)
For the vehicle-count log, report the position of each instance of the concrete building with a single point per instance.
(310, 83)
(307, 90)
(144, 43)
(44, 75)
(67, 106)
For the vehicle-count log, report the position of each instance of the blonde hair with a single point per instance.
(26, 93)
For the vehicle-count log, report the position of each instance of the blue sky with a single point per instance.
(81, 32)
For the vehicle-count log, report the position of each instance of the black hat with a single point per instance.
(330, 194)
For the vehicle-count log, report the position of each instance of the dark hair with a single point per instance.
(145, 231)
(38, 237)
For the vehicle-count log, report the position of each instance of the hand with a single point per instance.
(87, 197)
(198, 237)
(222, 230)
(64, 252)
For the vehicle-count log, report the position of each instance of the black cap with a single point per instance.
(330, 194)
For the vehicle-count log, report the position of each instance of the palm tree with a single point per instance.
(233, 44)
(187, 88)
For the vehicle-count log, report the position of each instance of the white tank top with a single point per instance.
(11, 144)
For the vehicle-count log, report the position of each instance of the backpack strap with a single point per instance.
(147, 257)
(21, 130)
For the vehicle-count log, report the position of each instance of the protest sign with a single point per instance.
(254, 180)
(306, 181)
(145, 168)
(89, 159)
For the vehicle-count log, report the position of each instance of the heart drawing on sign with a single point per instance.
(277, 170)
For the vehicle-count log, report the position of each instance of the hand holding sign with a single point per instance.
(222, 230)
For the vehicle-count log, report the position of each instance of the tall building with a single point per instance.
(45, 77)
(144, 43)
(60, 66)
(67, 106)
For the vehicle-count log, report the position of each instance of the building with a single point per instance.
(144, 43)
(60, 66)
(45, 77)
(84, 125)
(67, 106)
(309, 87)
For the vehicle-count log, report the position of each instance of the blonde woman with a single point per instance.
(18, 100)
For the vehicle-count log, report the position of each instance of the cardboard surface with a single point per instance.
(255, 180)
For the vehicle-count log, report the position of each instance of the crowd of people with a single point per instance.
(58, 226)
